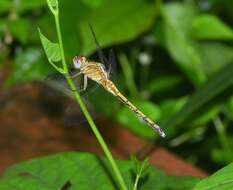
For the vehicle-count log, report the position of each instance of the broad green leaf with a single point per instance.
(81, 171)
(136, 124)
(209, 26)
(51, 49)
(177, 18)
(29, 65)
(219, 82)
(135, 16)
(164, 83)
(75, 16)
(214, 56)
(221, 180)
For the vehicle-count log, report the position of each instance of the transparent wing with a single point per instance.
(72, 114)
(110, 62)
(100, 52)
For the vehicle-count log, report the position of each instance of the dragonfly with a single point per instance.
(97, 72)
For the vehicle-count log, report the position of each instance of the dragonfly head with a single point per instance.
(79, 61)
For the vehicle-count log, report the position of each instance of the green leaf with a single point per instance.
(219, 82)
(140, 167)
(214, 56)
(105, 20)
(51, 49)
(136, 124)
(210, 27)
(83, 171)
(164, 83)
(221, 180)
(177, 18)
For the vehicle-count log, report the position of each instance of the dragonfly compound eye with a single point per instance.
(78, 61)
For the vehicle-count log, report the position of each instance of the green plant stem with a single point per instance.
(58, 28)
(97, 134)
(136, 182)
(85, 111)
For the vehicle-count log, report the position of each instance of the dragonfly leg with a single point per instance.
(85, 83)
(76, 74)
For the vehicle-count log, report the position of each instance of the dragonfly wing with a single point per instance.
(73, 115)
(55, 85)
(100, 52)
(57, 82)
(112, 64)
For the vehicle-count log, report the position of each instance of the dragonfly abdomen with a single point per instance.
(109, 85)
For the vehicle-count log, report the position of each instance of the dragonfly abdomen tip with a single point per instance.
(162, 134)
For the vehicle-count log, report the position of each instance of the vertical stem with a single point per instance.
(58, 28)
(136, 182)
(95, 130)
(98, 135)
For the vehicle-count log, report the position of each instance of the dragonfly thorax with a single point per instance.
(79, 61)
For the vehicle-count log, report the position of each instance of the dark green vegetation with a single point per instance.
(186, 83)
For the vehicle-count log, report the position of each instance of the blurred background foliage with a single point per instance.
(174, 62)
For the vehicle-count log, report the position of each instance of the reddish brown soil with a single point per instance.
(28, 130)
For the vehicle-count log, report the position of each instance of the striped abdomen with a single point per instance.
(109, 86)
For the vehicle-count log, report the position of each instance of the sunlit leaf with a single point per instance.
(83, 171)
(105, 20)
(222, 179)
(214, 56)
(51, 49)
(208, 26)
(164, 83)
(177, 18)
